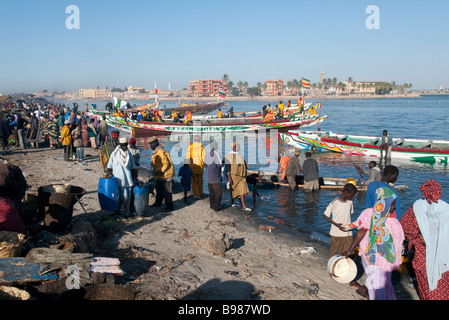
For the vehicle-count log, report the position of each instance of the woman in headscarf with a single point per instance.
(85, 132)
(380, 238)
(426, 226)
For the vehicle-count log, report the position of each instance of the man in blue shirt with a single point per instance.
(389, 177)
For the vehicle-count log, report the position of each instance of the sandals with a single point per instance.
(247, 209)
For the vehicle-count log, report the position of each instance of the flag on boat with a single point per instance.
(306, 83)
(221, 92)
(119, 103)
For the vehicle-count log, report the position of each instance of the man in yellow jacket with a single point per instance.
(188, 117)
(163, 173)
(66, 139)
(195, 155)
(281, 109)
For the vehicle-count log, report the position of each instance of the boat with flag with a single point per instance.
(420, 150)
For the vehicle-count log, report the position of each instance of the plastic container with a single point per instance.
(342, 269)
(109, 194)
(141, 199)
(351, 180)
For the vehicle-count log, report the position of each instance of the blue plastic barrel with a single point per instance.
(141, 199)
(109, 194)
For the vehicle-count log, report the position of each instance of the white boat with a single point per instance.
(420, 150)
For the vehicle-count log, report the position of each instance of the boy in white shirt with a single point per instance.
(340, 210)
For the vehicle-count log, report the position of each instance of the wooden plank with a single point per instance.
(21, 270)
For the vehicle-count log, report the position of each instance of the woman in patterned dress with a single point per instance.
(380, 238)
(426, 226)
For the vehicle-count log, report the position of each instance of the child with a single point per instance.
(186, 177)
(340, 209)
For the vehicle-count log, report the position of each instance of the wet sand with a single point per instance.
(194, 252)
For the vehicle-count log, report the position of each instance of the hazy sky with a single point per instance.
(138, 43)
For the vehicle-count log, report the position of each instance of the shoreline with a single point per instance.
(292, 98)
(266, 98)
(173, 255)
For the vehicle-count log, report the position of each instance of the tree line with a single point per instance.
(294, 86)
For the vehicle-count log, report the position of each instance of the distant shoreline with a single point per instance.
(291, 98)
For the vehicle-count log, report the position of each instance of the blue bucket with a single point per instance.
(141, 199)
(109, 194)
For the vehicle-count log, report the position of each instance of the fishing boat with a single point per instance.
(147, 128)
(204, 108)
(326, 183)
(296, 143)
(421, 150)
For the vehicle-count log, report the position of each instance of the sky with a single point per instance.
(142, 42)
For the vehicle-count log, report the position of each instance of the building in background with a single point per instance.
(206, 88)
(94, 93)
(274, 87)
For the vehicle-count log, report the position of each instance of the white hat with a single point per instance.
(123, 140)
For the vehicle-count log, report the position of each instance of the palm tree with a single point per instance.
(225, 79)
(259, 88)
(240, 86)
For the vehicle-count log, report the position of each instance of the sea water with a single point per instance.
(424, 117)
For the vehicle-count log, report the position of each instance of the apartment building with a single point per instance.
(94, 93)
(273, 87)
(206, 88)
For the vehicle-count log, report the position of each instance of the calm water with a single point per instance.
(402, 117)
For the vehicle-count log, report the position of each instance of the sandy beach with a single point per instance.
(194, 253)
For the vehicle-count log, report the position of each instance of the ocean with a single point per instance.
(424, 117)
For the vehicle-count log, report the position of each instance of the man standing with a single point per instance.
(311, 176)
(103, 131)
(66, 139)
(163, 173)
(213, 164)
(5, 132)
(21, 124)
(387, 142)
(195, 155)
(293, 168)
(236, 170)
(121, 165)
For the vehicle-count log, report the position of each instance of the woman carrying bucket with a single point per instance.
(380, 237)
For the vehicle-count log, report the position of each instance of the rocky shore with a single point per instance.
(194, 253)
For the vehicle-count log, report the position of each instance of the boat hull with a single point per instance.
(290, 140)
(366, 146)
(325, 183)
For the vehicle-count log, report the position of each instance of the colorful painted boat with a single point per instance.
(146, 128)
(420, 150)
(296, 143)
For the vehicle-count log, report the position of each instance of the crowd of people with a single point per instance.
(382, 231)
(53, 125)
